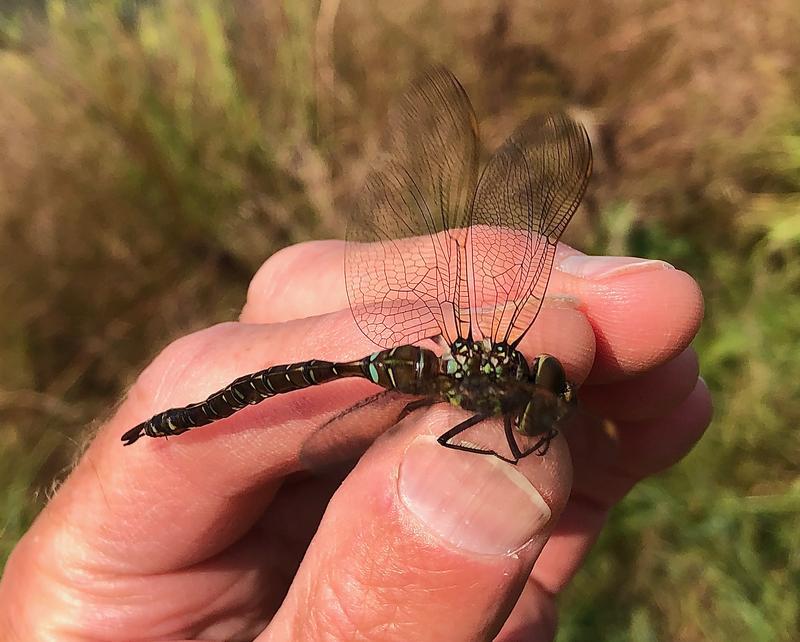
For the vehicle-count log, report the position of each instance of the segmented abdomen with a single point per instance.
(409, 369)
(244, 391)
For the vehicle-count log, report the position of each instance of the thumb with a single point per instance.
(423, 542)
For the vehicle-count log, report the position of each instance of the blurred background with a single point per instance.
(153, 154)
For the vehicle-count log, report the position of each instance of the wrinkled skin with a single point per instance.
(216, 534)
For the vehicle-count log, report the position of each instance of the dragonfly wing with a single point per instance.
(526, 196)
(347, 435)
(405, 262)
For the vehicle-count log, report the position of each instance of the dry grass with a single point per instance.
(153, 154)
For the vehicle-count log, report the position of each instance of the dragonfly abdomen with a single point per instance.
(244, 391)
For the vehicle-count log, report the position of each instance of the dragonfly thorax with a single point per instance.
(480, 374)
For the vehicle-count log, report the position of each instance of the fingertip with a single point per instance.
(641, 319)
(563, 330)
(647, 395)
(704, 402)
(464, 499)
(650, 447)
(302, 280)
(458, 531)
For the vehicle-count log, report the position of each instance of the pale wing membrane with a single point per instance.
(405, 262)
(526, 196)
(346, 436)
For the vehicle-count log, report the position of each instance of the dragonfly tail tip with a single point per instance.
(132, 435)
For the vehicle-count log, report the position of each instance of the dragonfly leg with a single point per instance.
(508, 425)
(543, 445)
(416, 405)
(445, 438)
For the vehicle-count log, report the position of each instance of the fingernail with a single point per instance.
(562, 301)
(474, 502)
(603, 267)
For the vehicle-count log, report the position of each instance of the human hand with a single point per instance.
(216, 534)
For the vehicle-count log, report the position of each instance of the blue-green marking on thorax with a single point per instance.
(373, 371)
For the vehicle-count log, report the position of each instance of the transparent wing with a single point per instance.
(347, 435)
(526, 196)
(405, 261)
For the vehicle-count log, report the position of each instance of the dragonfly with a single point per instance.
(446, 269)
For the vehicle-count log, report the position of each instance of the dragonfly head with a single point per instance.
(547, 372)
(552, 399)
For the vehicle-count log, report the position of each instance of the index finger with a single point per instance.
(162, 505)
(643, 312)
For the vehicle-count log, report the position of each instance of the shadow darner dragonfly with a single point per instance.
(446, 268)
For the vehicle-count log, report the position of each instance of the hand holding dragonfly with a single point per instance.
(216, 535)
(229, 532)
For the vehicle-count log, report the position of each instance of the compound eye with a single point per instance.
(549, 373)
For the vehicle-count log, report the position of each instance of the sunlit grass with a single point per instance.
(153, 154)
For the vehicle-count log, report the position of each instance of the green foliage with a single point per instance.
(154, 153)
(714, 539)
(20, 499)
(145, 175)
